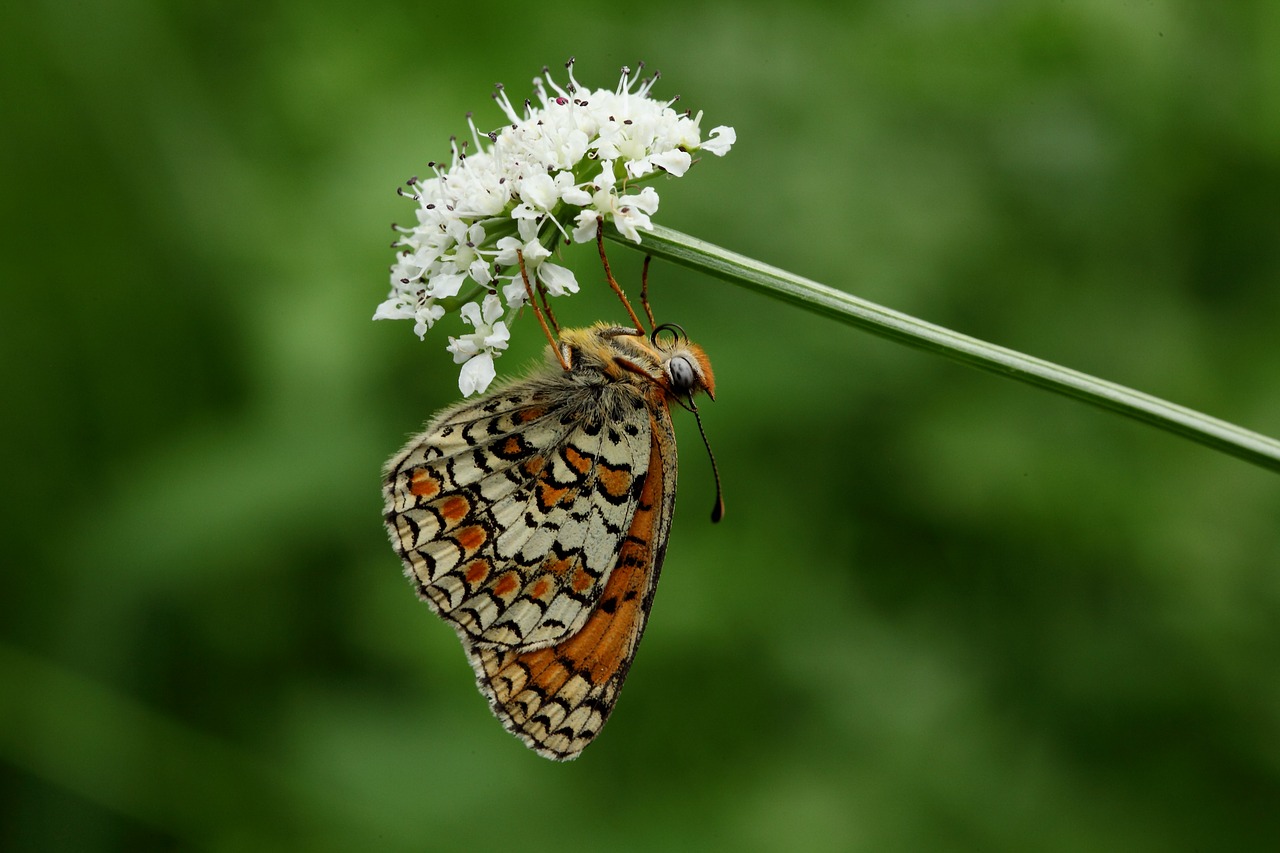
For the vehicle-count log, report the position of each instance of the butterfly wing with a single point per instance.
(508, 511)
(557, 699)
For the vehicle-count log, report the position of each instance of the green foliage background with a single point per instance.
(943, 612)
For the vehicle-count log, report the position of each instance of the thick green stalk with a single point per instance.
(730, 266)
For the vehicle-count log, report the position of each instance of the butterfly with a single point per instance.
(534, 520)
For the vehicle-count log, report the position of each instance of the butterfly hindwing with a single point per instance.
(557, 699)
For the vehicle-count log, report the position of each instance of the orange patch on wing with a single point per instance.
(508, 583)
(533, 465)
(513, 446)
(540, 588)
(471, 538)
(545, 671)
(582, 581)
(559, 567)
(549, 496)
(607, 640)
(455, 508)
(616, 481)
(577, 461)
(477, 571)
(422, 484)
(529, 415)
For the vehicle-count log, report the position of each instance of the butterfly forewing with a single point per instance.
(509, 521)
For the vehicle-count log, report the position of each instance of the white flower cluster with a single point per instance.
(546, 176)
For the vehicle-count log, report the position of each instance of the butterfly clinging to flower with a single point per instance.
(534, 520)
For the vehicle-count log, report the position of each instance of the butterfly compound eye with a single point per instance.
(683, 376)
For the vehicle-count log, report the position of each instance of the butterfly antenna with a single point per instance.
(717, 511)
(533, 303)
(608, 274)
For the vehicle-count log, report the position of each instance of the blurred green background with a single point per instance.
(944, 611)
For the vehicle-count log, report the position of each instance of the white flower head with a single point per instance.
(570, 158)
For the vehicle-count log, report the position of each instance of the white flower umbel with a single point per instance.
(571, 157)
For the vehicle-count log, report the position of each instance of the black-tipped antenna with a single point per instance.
(717, 511)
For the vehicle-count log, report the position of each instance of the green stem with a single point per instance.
(1220, 435)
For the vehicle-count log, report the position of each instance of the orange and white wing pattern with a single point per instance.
(535, 518)
(508, 511)
(557, 699)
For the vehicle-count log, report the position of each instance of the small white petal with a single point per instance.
(463, 348)
(565, 184)
(640, 168)
(425, 318)
(470, 314)
(429, 313)
(720, 140)
(534, 253)
(539, 190)
(576, 196)
(476, 374)
(443, 286)
(392, 309)
(491, 310)
(676, 162)
(627, 222)
(558, 280)
(499, 337)
(480, 272)
(604, 182)
(514, 292)
(528, 229)
(526, 211)
(507, 250)
(573, 147)
(647, 200)
(406, 269)
(585, 231)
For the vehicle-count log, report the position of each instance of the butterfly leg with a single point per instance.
(546, 307)
(533, 303)
(608, 273)
(644, 292)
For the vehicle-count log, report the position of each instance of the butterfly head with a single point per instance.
(665, 359)
(685, 366)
